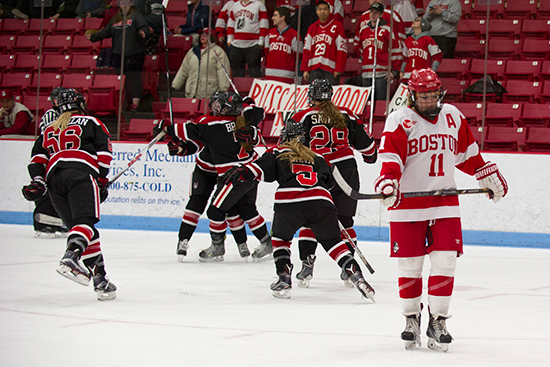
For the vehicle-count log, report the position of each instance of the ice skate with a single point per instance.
(104, 289)
(70, 268)
(243, 251)
(438, 336)
(281, 287)
(51, 232)
(181, 251)
(306, 274)
(346, 278)
(263, 251)
(361, 284)
(411, 334)
(214, 253)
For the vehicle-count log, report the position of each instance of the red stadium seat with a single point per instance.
(13, 27)
(535, 49)
(535, 29)
(470, 47)
(454, 68)
(350, 24)
(183, 108)
(472, 111)
(520, 9)
(26, 45)
(54, 44)
(504, 28)
(522, 91)
(6, 44)
(544, 10)
(545, 94)
(177, 49)
(359, 7)
(92, 23)
(80, 82)
(176, 8)
(7, 62)
(35, 25)
(56, 63)
(480, 11)
(535, 114)
(48, 81)
(68, 26)
(506, 114)
(472, 28)
(140, 129)
(26, 64)
(466, 8)
(82, 45)
(522, 69)
(505, 138)
(243, 85)
(495, 69)
(348, 7)
(538, 140)
(38, 105)
(502, 49)
(454, 88)
(478, 132)
(17, 82)
(83, 63)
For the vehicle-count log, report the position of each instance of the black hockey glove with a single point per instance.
(177, 147)
(162, 125)
(247, 134)
(235, 174)
(249, 100)
(103, 189)
(35, 190)
(370, 159)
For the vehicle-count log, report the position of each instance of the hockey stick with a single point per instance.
(373, 76)
(354, 245)
(136, 158)
(354, 194)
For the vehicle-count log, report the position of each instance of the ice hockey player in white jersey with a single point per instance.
(420, 148)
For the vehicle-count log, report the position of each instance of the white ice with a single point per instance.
(194, 314)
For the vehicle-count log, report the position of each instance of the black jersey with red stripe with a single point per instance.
(301, 183)
(335, 144)
(85, 144)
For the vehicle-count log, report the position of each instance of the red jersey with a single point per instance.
(325, 47)
(281, 48)
(398, 29)
(419, 53)
(380, 50)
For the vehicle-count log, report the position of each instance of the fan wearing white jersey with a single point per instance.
(420, 148)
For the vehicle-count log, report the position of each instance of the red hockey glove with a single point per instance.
(35, 190)
(246, 134)
(390, 189)
(490, 177)
(102, 182)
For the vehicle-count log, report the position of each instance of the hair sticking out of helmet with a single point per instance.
(293, 129)
(225, 104)
(319, 90)
(69, 100)
(426, 92)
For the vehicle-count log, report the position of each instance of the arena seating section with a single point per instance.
(518, 40)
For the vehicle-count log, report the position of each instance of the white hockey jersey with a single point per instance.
(247, 25)
(422, 155)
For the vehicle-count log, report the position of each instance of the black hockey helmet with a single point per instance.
(225, 104)
(55, 94)
(70, 100)
(319, 90)
(293, 129)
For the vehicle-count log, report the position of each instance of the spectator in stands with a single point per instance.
(281, 46)
(152, 11)
(420, 50)
(67, 9)
(325, 47)
(137, 29)
(202, 69)
(444, 16)
(197, 19)
(378, 51)
(91, 8)
(9, 9)
(111, 11)
(309, 16)
(221, 22)
(15, 118)
(246, 31)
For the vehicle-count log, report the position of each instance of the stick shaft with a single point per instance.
(354, 245)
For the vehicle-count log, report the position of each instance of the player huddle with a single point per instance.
(70, 162)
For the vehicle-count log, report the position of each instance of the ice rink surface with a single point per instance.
(193, 314)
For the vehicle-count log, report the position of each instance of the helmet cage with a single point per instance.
(225, 104)
(293, 129)
(319, 90)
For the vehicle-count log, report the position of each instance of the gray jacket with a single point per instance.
(446, 23)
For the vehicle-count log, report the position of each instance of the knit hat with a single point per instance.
(425, 26)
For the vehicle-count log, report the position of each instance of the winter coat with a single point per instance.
(193, 71)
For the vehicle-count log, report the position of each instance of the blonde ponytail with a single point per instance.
(63, 121)
(298, 153)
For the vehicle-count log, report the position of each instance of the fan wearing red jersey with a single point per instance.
(420, 51)
(325, 47)
(70, 160)
(280, 47)
(420, 148)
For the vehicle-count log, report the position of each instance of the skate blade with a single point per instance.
(216, 259)
(348, 283)
(285, 293)
(75, 276)
(304, 283)
(411, 344)
(439, 347)
(366, 292)
(44, 235)
(105, 296)
(257, 259)
(181, 258)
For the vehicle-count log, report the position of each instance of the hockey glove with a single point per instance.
(390, 189)
(237, 173)
(370, 159)
(35, 190)
(490, 177)
(249, 100)
(177, 147)
(162, 125)
(247, 134)
(102, 182)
